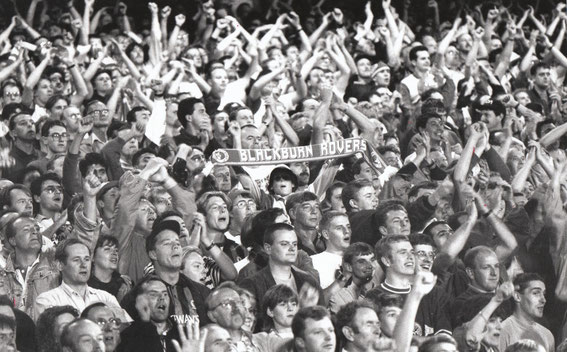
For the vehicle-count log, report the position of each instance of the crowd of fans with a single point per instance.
(122, 228)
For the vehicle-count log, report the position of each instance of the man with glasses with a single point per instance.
(47, 192)
(106, 319)
(54, 138)
(100, 114)
(243, 205)
(225, 308)
(11, 92)
(23, 151)
(397, 259)
(29, 271)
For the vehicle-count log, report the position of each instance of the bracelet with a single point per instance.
(209, 247)
(70, 66)
(487, 214)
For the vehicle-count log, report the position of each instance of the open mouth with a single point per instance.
(426, 266)
(114, 260)
(162, 307)
(346, 239)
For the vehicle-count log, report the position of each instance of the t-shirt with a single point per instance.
(514, 330)
(326, 264)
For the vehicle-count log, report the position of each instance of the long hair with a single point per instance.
(45, 334)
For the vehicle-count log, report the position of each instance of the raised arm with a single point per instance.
(179, 21)
(403, 332)
(321, 115)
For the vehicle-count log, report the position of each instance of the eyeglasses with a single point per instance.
(230, 303)
(53, 189)
(250, 204)
(59, 136)
(12, 95)
(423, 255)
(97, 113)
(112, 323)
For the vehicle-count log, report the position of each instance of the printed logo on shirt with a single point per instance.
(184, 318)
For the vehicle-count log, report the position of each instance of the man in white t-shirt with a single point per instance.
(335, 230)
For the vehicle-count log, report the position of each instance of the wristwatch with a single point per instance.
(209, 247)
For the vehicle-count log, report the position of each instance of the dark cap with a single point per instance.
(282, 170)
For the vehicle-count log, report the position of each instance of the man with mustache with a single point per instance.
(225, 308)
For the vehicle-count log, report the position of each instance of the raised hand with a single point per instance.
(234, 129)
(191, 339)
(143, 307)
(338, 15)
(165, 12)
(293, 18)
(85, 125)
(386, 4)
(424, 282)
(122, 8)
(504, 291)
(91, 185)
(199, 229)
(478, 33)
(153, 8)
(308, 296)
(326, 92)
(179, 20)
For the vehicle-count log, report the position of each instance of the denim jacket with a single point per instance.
(41, 276)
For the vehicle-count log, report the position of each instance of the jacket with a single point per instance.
(42, 276)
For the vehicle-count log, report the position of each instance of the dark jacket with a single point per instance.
(143, 336)
(259, 284)
(185, 289)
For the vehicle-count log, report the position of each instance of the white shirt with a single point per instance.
(326, 264)
(65, 295)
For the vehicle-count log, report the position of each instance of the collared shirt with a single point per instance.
(65, 295)
(236, 239)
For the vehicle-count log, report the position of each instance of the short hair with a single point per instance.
(424, 118)
(298, 198)
(205, 197)
(351, 189)
(357, 166)
(36, 185)
(540, 125)
(328, 216)
(89, 160)
(7, 321)
(298, 323)
(387, 207)
(67, 335)
(538, 66)
(131, 115)
(522, 281)
(186, 252)
(105, 240)
(137, 155)
(227, 285)
(431, 342)
(234, 113)
(383, 300)
(274, 296)
(48, 125)
(383, 247)
(85, 313)
(61, 254)
(186, 107)
(166, 214)
(269, 234)
(422, 185)
(332, 188)
(356, 249)
(16, 114)
(470, 256)
(345, 316)
(419, 238)
(5, 194)
(259, 224)
(10, 229)
(413, 52)
(54, 99)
